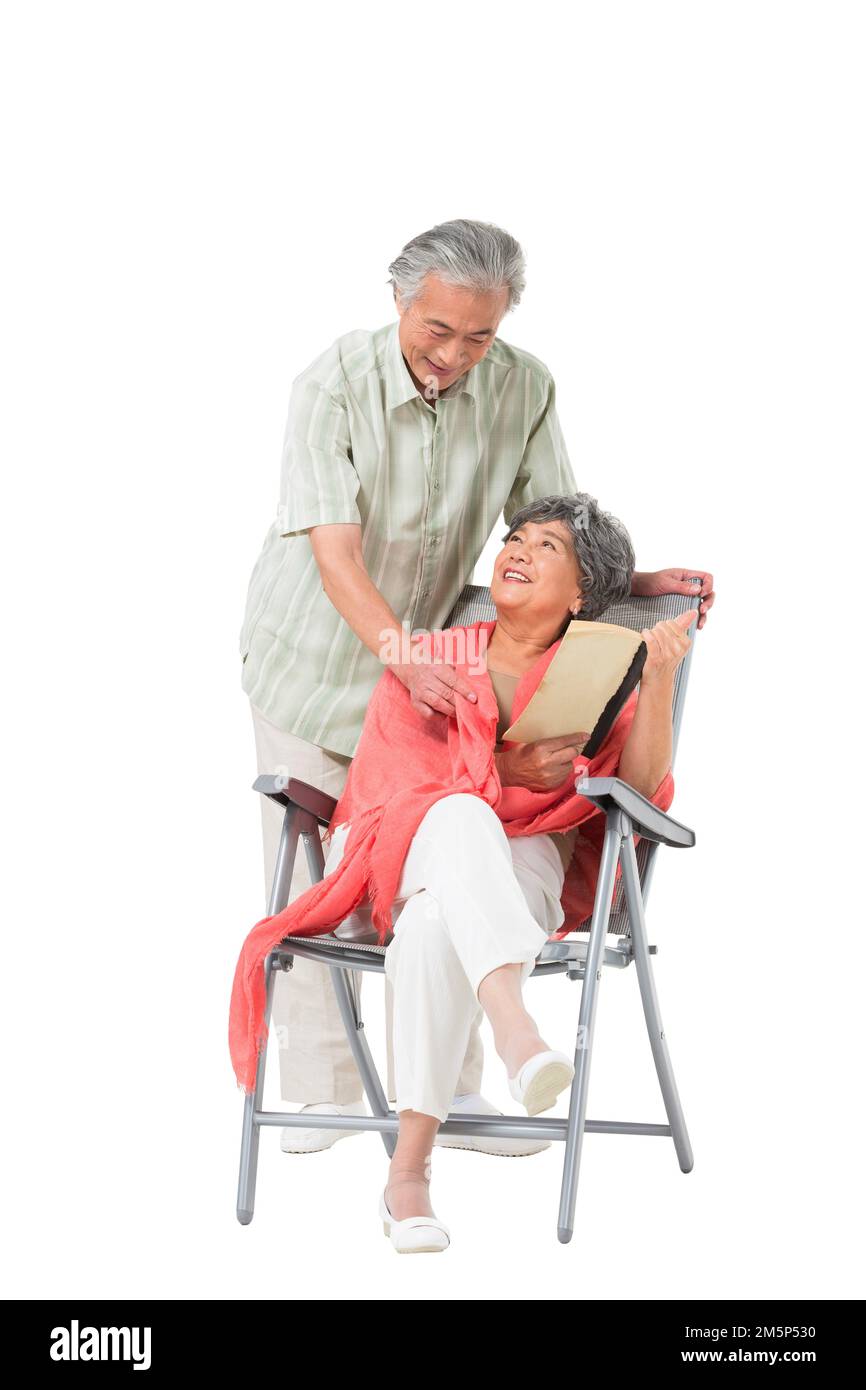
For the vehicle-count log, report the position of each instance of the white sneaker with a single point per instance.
(487, 1143)
(294, 1139)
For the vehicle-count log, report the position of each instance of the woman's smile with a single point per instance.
(515, 576)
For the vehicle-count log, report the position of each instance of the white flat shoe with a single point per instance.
(540, 1080)
(415, 1233)
(486, 1143)
(295, 1139)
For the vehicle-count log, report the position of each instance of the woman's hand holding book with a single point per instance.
(540, 766)
(666, 645)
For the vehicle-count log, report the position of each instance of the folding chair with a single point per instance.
(618, 910)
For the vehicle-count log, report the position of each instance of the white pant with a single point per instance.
(469, 900)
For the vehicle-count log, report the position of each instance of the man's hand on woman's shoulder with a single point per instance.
(434, 686)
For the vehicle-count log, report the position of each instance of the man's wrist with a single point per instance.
(393, 647)
(400, 670)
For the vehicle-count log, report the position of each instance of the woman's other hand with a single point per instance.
(646, 756)
(540, 766)
(433, 686)
(666, 645)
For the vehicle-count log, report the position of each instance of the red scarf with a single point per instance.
(402, 765)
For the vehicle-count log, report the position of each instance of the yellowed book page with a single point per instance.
(586, 672)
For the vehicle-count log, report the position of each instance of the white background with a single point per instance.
(199, 199)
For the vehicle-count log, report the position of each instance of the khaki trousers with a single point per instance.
(316, 1062)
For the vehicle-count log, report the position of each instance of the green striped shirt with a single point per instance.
(426, 484)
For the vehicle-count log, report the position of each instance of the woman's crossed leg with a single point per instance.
(474, 910)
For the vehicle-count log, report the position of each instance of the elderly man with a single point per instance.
(403, 446)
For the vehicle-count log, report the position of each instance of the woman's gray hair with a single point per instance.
(602, 548)
(468, 255)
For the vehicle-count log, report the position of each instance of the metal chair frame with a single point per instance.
(622, 912)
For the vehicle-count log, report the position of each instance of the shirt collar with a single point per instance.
(400, 387)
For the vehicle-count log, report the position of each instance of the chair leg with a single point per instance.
(586, 1025)
(250, 1131)
(649, 999)
(350, 1010)
(280, 888)
(354, 1025)
(285, 863)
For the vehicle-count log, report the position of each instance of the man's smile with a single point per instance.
(440, 371)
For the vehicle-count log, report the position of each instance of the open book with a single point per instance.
(595, 669)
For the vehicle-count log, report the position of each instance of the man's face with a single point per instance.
(446, 331)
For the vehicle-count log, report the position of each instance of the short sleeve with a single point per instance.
(318, 481)
(545, 467)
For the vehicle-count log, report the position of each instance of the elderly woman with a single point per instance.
(474, 907)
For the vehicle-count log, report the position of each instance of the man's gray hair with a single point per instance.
(468, 255)
(602, 547)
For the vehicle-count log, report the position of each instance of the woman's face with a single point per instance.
(541, 553)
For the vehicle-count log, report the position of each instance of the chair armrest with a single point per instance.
(650, 822)
(290, 791)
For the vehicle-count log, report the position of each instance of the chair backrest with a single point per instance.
(475, 605)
